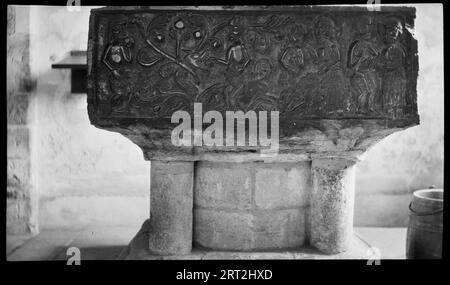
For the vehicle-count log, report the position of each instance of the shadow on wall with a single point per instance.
(84, 174)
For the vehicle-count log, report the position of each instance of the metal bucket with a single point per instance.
(424, 235)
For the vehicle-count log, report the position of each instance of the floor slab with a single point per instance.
(94, 242)
(106, 243)
(390, 241)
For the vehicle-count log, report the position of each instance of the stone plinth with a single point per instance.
(137, 250)
(340, 78)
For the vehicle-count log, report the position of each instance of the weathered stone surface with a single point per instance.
(243, 186)
(17, 109)
(279, 229)
(282, 185)
(249, 206)
(12, 211)
(18, 172)
(277, 51)
(223, 230)
(249, 231)
(223, 185)
(18, 144)
(331, 210)
(18, 64)
(341, 77)
(170, 227)
(21, 199)
(11, 21)
(19, 213)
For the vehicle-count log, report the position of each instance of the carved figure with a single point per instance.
(299, 55)
(361, 61)
(289, 62)
(258, 40)
(391, 66)
(332, 88)
(118, 52)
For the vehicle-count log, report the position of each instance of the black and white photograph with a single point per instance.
(241, 132)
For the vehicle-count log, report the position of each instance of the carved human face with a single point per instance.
(298, 33)
(364, 27)
(325, 30)
(392, 33)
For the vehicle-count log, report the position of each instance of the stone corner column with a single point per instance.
(171, 206)
(333, 184)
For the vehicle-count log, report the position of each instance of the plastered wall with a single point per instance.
(85, 174)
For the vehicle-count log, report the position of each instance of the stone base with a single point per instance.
(138, 250)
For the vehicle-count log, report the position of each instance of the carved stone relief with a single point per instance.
(305, 65)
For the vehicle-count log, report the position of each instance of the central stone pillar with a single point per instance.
(251, 206)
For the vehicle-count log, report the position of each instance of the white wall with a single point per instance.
(85, 174)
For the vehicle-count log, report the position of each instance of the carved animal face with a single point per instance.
(220, 40)
(158, 33)
(177, 35)
(193, 33)
(119, 31)
(211, 47)
(119, 35)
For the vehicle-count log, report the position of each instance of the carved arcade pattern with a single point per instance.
(308, 65)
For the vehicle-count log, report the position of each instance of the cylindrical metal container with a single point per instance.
(424, 235)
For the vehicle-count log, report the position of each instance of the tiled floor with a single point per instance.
(106, 243)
